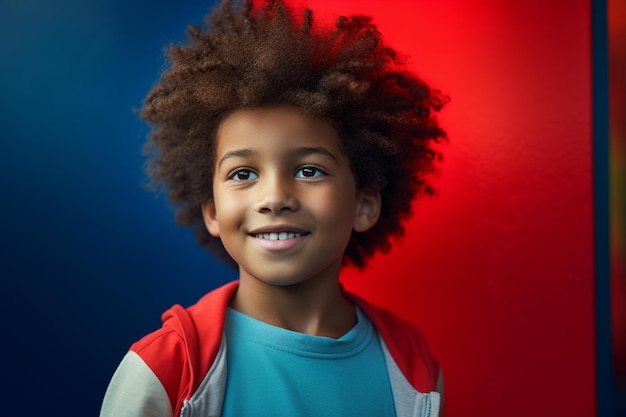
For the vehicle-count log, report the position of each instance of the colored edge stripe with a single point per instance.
(604, 370)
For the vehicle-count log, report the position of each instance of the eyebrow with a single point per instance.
(238, 153)
(304, 151)
(299, 152)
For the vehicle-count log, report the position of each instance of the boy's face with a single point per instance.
(285, 201)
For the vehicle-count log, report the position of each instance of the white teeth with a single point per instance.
(278, 236)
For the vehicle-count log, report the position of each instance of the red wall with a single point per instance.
(498, 269)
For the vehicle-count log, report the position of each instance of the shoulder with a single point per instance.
(165, 353)
(183, 328)
(391, 326)
(406, 344)
(135, 390)
(397, 332)
(182, 351)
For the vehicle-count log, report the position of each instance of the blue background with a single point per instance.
(89, 258)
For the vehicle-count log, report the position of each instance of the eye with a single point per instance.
(309, 172)
(242, 175)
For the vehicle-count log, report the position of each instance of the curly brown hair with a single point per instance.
(255, 56)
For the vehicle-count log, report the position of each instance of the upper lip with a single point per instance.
(277, 229)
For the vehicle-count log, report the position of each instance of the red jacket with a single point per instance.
(186, 357)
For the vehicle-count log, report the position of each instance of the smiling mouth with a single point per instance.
(279, 236)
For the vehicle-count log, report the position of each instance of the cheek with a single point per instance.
(335, 207)
(227, 205)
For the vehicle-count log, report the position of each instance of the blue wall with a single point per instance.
(89, 259)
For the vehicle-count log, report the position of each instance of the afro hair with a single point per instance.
(250, 56)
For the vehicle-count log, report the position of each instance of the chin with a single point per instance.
(285, 282)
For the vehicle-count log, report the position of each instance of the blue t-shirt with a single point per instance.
(277, 372)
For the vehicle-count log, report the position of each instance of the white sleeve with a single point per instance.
(135, 391)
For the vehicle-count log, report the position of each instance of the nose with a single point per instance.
(277, 195)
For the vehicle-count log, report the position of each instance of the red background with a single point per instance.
(498, 268)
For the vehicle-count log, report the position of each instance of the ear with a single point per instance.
(209, 214)
(368, 209)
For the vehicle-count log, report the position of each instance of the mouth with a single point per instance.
(279, 238)
(279, 235)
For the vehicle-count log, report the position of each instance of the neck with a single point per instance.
(314, 306)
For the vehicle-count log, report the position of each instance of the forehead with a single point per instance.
(280, 127)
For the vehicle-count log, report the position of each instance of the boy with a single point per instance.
(291, 150)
